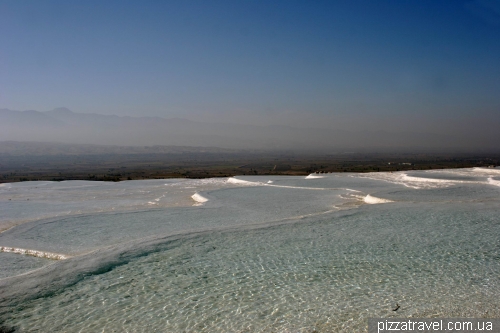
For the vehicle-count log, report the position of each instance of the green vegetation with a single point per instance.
(118, 167)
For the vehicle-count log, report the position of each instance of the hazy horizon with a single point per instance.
(61, 125)
(365, 74)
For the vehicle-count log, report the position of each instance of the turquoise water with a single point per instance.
(294, 255)
(19, 264)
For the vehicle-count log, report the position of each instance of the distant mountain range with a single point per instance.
(30, 148)
(64, 126)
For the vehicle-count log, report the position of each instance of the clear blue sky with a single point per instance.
(253, 60)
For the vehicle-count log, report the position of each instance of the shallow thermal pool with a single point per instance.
(250, 254)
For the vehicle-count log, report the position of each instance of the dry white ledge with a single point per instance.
(34, 253)
(200, 200)
(371, 200)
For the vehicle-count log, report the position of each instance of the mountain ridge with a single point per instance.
(63, 125)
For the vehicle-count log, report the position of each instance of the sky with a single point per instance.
(411, 65)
